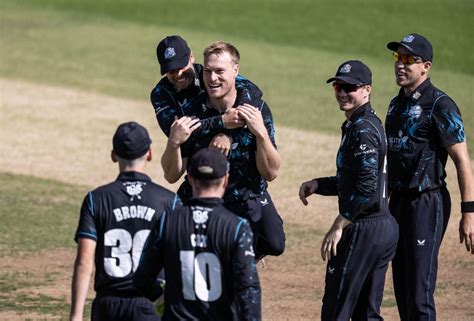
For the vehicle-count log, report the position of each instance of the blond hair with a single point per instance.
(220, 47)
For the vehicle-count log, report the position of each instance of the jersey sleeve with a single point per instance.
(448, 122)
(166, 108)
(246, 281)
(247, 91)
(365, 149)
(145, 279)
(268, 121)
(327, 186)
(87, 225)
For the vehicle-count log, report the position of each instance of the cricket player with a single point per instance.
(115, 221)
(205, 250)
(362, 240)
(172, 97)
(423, 127)
(254, 159)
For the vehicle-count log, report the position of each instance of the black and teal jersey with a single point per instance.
(119, 217)
(245, 181)
(209, 264)
(361, 180)
(419, 127)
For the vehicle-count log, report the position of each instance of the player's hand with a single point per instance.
(306, 189)
(232, 119)
(221, 142)
(330, 241)
(181, 129)
(253, 118)
(466, 231)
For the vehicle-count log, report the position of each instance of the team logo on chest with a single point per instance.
(134, 189)
(415, 111)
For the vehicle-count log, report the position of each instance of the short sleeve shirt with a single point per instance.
(119, 217)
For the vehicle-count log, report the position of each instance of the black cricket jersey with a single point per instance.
(169, 103)
(245, 181)
(209, 264)
(419, 127)
(361, 179)
(119, 217)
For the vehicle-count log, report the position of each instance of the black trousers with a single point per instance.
(266, 223)
(115, 308)
(423, 218)
(355, 277)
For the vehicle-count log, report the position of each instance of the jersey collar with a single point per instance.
(133, 176)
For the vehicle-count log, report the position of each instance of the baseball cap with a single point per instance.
(208, 164)
(131, 140)
(173, 53)
(353, 72)
(416, 44)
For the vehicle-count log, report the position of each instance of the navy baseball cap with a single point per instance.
(173, 53)
(416, 44)
(208, 164)
(353, 72)
(131, 140)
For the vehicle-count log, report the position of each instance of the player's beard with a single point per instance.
(185, 80)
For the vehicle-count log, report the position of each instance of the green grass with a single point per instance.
(106, 51)
(37, 214)
(346, 26)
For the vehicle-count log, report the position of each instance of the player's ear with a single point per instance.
(149, 155)
(191, 57)
(226, 181)
(113, 156)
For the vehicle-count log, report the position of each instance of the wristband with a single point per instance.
(467, 207)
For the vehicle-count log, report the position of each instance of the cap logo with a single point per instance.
(408, 38)
(169, 53)
(205, 169)
(345, 69)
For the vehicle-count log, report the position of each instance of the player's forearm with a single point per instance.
(460, 157)
(172, 163)
(80, 284)
(267, 157)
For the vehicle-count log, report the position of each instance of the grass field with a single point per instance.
(70, 71)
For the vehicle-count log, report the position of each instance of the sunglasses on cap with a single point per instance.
(348, 88)
(406, 59)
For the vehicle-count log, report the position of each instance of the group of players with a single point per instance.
(196, 250)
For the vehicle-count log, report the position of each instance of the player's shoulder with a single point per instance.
(164, 86)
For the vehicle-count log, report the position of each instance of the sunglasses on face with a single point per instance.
(406, 59)
(348, 88)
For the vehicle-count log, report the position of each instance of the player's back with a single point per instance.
(119, 217)
(209, 262)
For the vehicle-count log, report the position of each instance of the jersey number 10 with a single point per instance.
(201, 275)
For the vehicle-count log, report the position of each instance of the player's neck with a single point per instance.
(222, 104)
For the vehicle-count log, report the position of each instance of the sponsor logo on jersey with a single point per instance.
(415, 111)
(345, 69)
(408, 38)
(416, 95)
(234, 145)
(264, 202)
(390, 109)
(169, 53)
(420, 242)
(331, 270)
(396, 143)
(364, 150)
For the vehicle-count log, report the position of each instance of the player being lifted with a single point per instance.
(254, 159)
(114, 224)
(205, 250)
